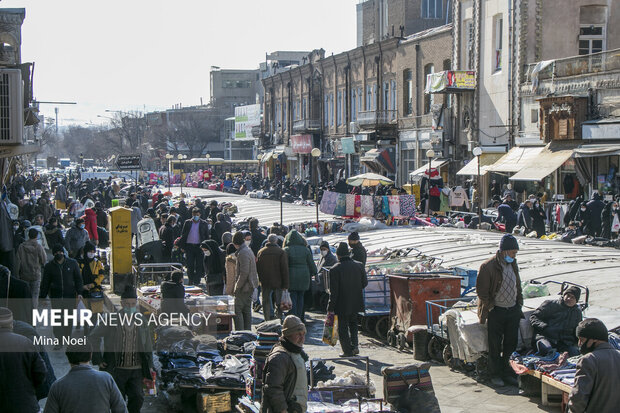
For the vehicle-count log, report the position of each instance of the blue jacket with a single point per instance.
(506, 214)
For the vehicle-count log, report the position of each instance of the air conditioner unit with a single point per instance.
(11, 107)
(353, 127)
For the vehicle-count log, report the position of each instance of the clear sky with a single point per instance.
(152, 54)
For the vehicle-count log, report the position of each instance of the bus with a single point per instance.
(219, 166)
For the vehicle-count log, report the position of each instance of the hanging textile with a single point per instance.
(328, 202)
(350, 205)
(407, 205)
(386, 206)
(394, 201)
(341, 205)
(378, 207)
(358, 206)
(367, 209)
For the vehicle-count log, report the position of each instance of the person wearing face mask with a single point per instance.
(328, 259)
(128, 351)
(272, 268)
(18, 234)
(214, 264)
(53, 232)
(598, 371)
(555, 323)
(499, 306)
(62, 281)
(75, 238)
(584, 218)
(92, 277)
(194, 231)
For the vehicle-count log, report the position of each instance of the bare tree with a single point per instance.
(128, 131)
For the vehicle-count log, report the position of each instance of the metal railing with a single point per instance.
(377, 117)
(302, 125)
(578, 65)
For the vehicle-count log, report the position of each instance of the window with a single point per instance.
(393, 99)
(331, 109)
(278, 119)
(591, 39)
(360, 99)
(408, 91)
(534, 116)
(339, 109)
(374, 97)
(428, 97)
(304, 108)
(432, 9)
(284, 118)
(469, 51)
(497, 40)
(386, 95)
(353, 104)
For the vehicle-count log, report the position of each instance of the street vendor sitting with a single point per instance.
(555, 322)
(173, 295)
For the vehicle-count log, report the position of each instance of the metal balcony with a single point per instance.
(306, 125)
(377, 119)
(606, 61)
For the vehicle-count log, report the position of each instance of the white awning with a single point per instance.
(435, 163)
(591, 151)
(515, 159)
(487, 159)
(545, 163)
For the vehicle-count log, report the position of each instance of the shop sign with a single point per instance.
(450, 80)
(348, 145)
(301, 143)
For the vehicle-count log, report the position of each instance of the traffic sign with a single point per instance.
(129, 162)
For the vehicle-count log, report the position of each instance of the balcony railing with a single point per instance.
(376, 118)
(578, 65)
(306, 125)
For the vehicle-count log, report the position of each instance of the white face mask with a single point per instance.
(90, 255)
(324, 253)
(207, 253)
(248, 243)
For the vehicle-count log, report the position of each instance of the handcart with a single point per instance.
(408, 296)
(342, 393)
(375, 319)
(469, 277)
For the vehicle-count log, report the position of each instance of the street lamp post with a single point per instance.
(477, 151)
(275, 157)
(169, 158)
(316, 153)
(430, 154)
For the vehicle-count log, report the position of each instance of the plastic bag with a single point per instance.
(330, 329)
(286, 302)
(531, 290)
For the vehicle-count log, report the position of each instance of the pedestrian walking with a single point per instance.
(84, 389)
(257, 236)
(506, 214)
(500, 299)
(92, 276)
(524, 216)
(220, 227)
(76, 238)
(167, 237)
(285, 383)
(598, 371)
(231, 268)
(595, 207)
(31, 257)
(347, 280)
(53, 232)
(358, 252)
(22, 369)
(90, 222)
(214, 263)
(62, 281)
(301, 268)
(272, 268)
(246, 280)
(194, 231)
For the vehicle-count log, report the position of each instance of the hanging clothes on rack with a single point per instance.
(446, 192)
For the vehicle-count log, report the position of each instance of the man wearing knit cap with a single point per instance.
(358, 252)
(499, 305)
(21, 369)
(285, 384)
(347, 280)
(598, 371)
(555, 323)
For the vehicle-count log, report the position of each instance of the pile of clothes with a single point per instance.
(559, 366)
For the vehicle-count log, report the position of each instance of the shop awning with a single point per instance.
(378, 159)
(266, 157)
(515, 159)
(435, 163)
(545, 163)
(591, 151)
(486, 160)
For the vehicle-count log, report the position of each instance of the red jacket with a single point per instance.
(90, 220)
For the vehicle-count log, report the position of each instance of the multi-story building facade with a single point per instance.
(353, 107)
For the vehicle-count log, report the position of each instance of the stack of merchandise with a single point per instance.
(266, 341)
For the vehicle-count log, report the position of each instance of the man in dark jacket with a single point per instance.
(220, 227)
(506, 215)
(347, 280)
(128, 351)
(53, 232)
(598, 371)
(285, 384)
(173, 295)
(213, 211)
(167, 237)
(358, 252)
(272, 268)
(22, 369)
(194, 231)
(257, 236)
(595, 207)
(500, 299)
(62, 281)
(328, 259)
(555, 322)
(17, 293)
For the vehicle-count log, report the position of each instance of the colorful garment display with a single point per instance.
(394, 202)
(328, 202)
(407, 205)
(350, 205)
(341, 205)
(378, 207)
(386, 206)
(367, 206)
(358, 206)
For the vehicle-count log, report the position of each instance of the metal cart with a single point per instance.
(375, 319)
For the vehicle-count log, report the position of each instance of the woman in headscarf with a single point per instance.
(214, 265)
